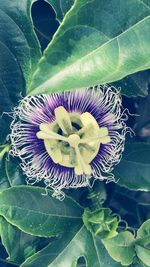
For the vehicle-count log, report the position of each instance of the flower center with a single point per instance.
(73, 139)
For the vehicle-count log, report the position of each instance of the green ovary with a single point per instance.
(73, 140)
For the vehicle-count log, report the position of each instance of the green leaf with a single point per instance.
(19, 55)
(121, 248)
(14, 172)
(142, 244)
(38, 214)
(142, 122)
(98, 42)
(11, 173)
(60, 7)
(135, 84)
(52, 250)
(69, 249)
(4, 182)
(18, 245)
(143, 233)
(137, 263)
(10, 90)
(143, 254)
(134, 168)
(18, 39)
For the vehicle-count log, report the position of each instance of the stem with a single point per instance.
(97, 197)
(9, 262)
(4, 150)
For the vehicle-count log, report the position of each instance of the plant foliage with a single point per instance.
(97, 42)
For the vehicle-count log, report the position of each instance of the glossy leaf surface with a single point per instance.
(95, 44)
(36, 213)
(134, 168)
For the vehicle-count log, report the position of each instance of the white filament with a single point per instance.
(108, 98)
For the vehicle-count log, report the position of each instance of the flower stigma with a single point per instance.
(73, 139)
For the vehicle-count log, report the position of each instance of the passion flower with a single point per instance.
(68, 139)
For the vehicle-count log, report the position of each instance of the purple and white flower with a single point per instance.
(67, 139)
